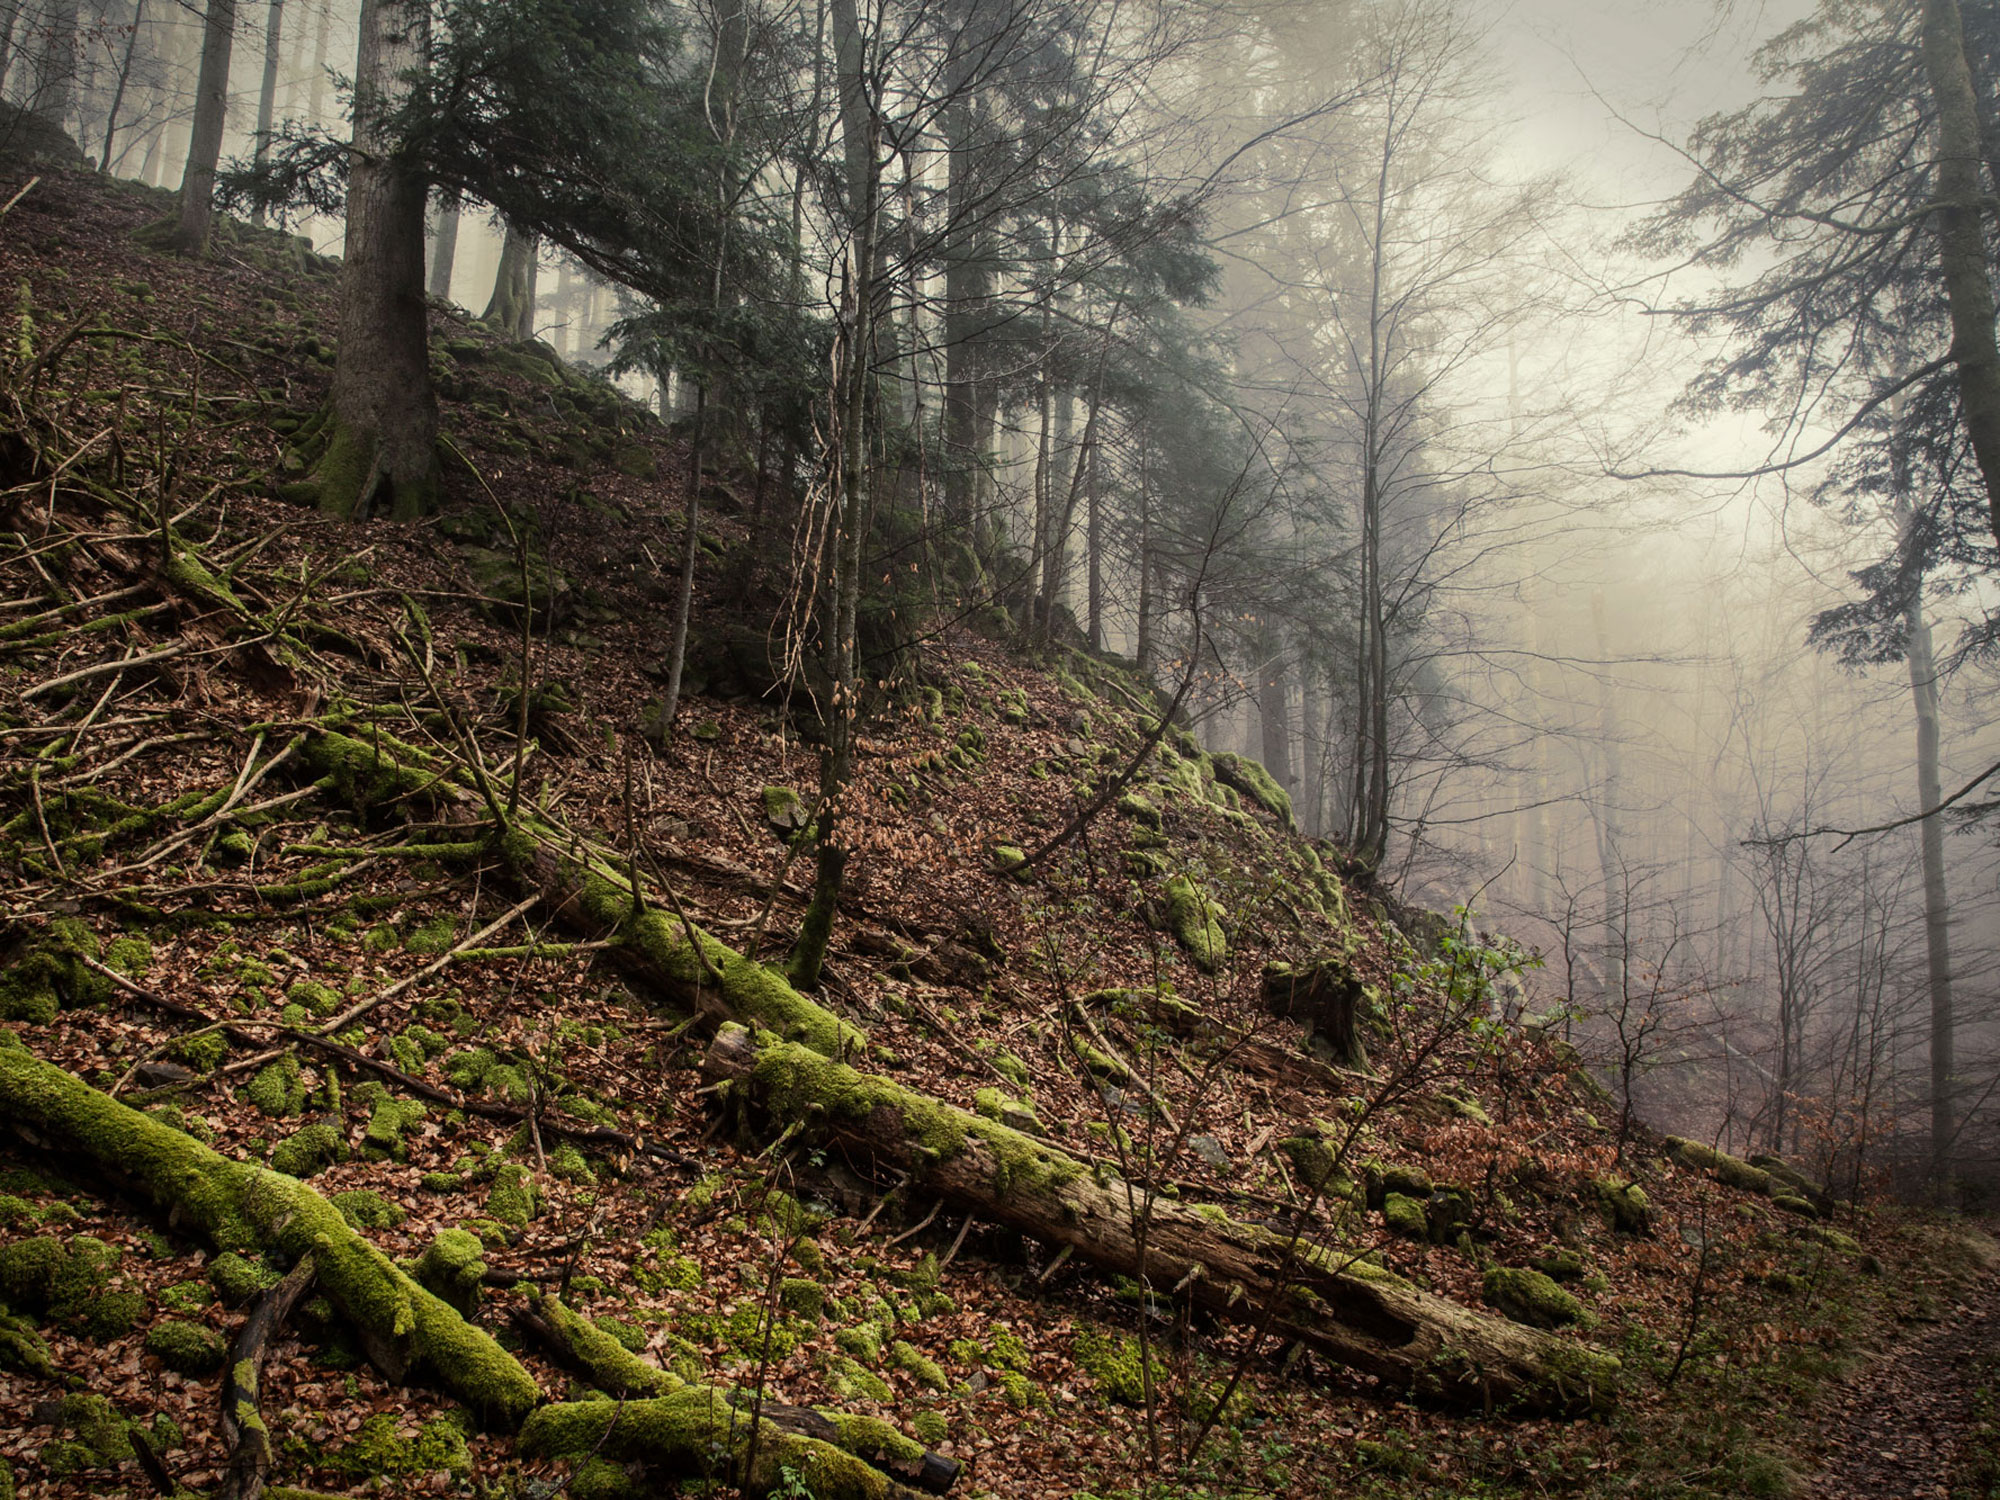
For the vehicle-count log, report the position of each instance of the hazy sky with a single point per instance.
(1575, 65)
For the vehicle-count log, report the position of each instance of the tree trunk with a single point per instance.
(382, 453)
(511, 308)
(211, 100)
(1962, 248)
(1093, 546)
(1361, 1318)
(1274, 711)
(1937, 906)
(124, 77)
(316, 101)
(267, 95)
(843, 590)
(54, 84)
(444, 249)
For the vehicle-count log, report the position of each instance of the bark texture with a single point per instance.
(1962, 253)
(211, 100)
(1359, 1317)
(381, 454)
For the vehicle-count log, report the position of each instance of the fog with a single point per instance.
(1403, 491)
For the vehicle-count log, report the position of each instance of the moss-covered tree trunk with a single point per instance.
(511, 308)
(211, 98)
(1354, 1314)
(381, 452)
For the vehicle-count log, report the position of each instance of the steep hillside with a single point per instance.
(356, 853)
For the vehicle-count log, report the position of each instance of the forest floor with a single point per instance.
(513, 1081)
(1919, 1420)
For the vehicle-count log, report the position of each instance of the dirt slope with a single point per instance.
(197, 897)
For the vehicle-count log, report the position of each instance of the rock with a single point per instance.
(1530, 1297)
(1209, 1149)
(1405, 1216)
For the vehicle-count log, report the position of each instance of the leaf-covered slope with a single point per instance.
(248, 777)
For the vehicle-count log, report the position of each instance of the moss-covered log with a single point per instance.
(614, 1369)
(249, 1209)
(243, 1427)
(698, 1431)
(592, 894)
(1356, 1315)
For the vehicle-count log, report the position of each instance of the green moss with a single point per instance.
(1254, 782)
(238, 1279)
(111, 1315)
(190, 1348)
(130, 955)
(186, 1296)
(1561, 1265)
(50, 975)
(203, 1051)
(677, 1273)
(101, 1433)
(1019, 1390)
(1791, 1203)
(568, 1163)
(379, 1451)
(862, 1340)
(24, 1349)
(850, 1381)
(390, 1120)
(805, 1298)
(1139, 810)
(1624, 1205)
(1728, 1170)
(279, 1089)
(1532, 1298)
(799, 1084)
(907, 1357)
(451, 1268)
(1112, 1363)
(309, 1151)
(1405, 1216)
(1011, 860)
(1196, 923)
(698, 1430)
(436, 936)
(513, 1198)
(366, 1209)
(318, 998)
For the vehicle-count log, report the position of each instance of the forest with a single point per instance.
(1030, 749)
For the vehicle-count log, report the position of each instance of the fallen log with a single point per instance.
(247, 1208)
(699, 1431)
(614, 1369)
(1353, 1313)
(244, 1431)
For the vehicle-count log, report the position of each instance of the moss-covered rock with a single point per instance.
(1254, 782)
(279, 1088)
(49, 975)
(802, 1297)
(309, 1151)
(1112, 1363)
(513, 1198)
(237, 1278)
(1624, 1205)
(1532, 1298)
(366, 1209)
(451, 1269)
(1405, 1216)
(1728, 1170)
(190, 1348)
(1196, 923)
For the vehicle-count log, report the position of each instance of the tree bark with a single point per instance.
(211, 101)
(511, 308)
(444, 249)
(1364, 1319)
(267, 94)
(54, 87)
(244, 1429)
(382, 453)
(1962, 253)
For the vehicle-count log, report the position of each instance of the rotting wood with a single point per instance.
(1353, 1313)
(244, 1431)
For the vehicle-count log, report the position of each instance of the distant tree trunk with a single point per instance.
(1143, 647)
(1274, 709)
(211, 100)
(1962, 248)
(1937, 906)
(382, 453)
(511, 309)
(444, 250)
(1093, 545)
(124, 77)
(10, 18)
(316, 103)
(55, 66)
(267, 95)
